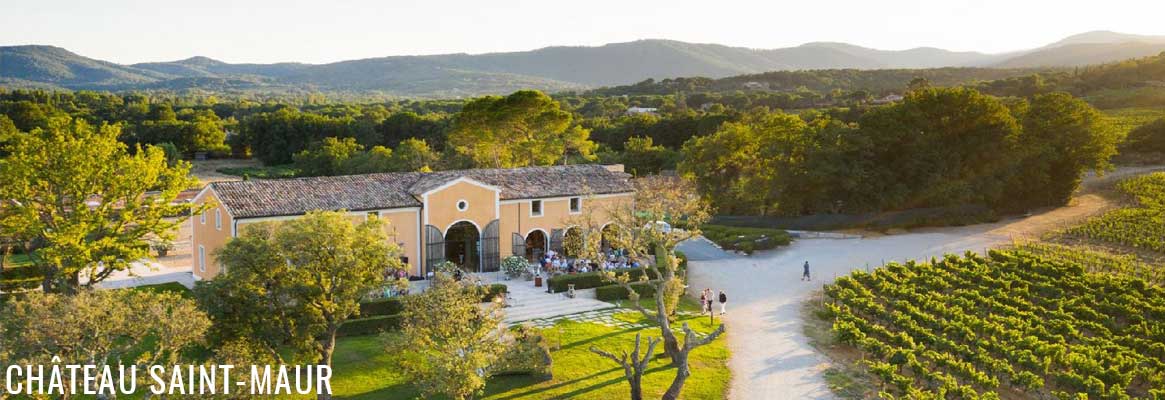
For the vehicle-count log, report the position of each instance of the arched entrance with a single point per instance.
(462, 246)
(571, 241)
(535, 245)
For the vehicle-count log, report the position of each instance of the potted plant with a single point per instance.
(513, 266)
(163, 247)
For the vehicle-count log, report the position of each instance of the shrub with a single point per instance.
(369, 326)
(163, 247)
(449, 268)
(618, 292)
(492, 291)
(581, 281)
(746, 240)
(528, 354)
(376, 308)
(514, 266)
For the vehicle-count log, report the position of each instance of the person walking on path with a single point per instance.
(703, 299)
(723, 302)
(805, 275)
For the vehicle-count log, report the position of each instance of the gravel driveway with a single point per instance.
(771, 358)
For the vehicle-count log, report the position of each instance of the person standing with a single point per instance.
(805, 275)
(708, 305)
(723, 302)
(703, 299)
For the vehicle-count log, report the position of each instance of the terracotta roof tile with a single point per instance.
(275, 197)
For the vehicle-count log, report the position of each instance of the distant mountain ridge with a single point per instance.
(551, 69)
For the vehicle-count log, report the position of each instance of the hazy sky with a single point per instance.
(129, 31)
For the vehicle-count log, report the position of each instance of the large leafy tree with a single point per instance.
(84, 205)
(414, 155)
(328, 157)
(408, 125)
(448, 340)
(101, 328)
(719, 165)
(939, 147)
(641, 156)
(1062, 137)
(297, 281)
(522, 129)
(252, 304)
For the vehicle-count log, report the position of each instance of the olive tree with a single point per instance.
(665, 212)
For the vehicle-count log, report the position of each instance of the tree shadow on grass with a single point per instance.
(397, 391)
(593, 339)
(583, 390)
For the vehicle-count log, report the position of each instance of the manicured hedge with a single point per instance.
(746, 240)
(581, 281)
(376, 308)
(593, 279)
(370, 326)
(17, 285)
(21, 271)
(618, 292)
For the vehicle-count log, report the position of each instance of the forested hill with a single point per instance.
(549, 69)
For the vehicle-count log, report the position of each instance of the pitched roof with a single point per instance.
(275, 197)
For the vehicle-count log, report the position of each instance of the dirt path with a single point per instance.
(207, 170)
(771, 357)
(1096, 195)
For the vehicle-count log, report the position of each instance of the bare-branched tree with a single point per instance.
(665, 212)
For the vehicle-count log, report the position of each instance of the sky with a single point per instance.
(264, 31)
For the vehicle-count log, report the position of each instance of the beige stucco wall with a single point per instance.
(513, 215)
(208, 236)
(401, 227)
(516, 217)
(441, 204)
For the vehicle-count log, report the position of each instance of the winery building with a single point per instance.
(471, 217)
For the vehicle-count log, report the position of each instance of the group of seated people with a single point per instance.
(616, 260)
(554, 263)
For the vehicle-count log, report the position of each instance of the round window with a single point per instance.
(462, 205)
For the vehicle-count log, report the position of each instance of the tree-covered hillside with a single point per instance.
(560, 68)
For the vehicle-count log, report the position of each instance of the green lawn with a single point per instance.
(17, 260)
(364, 371)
